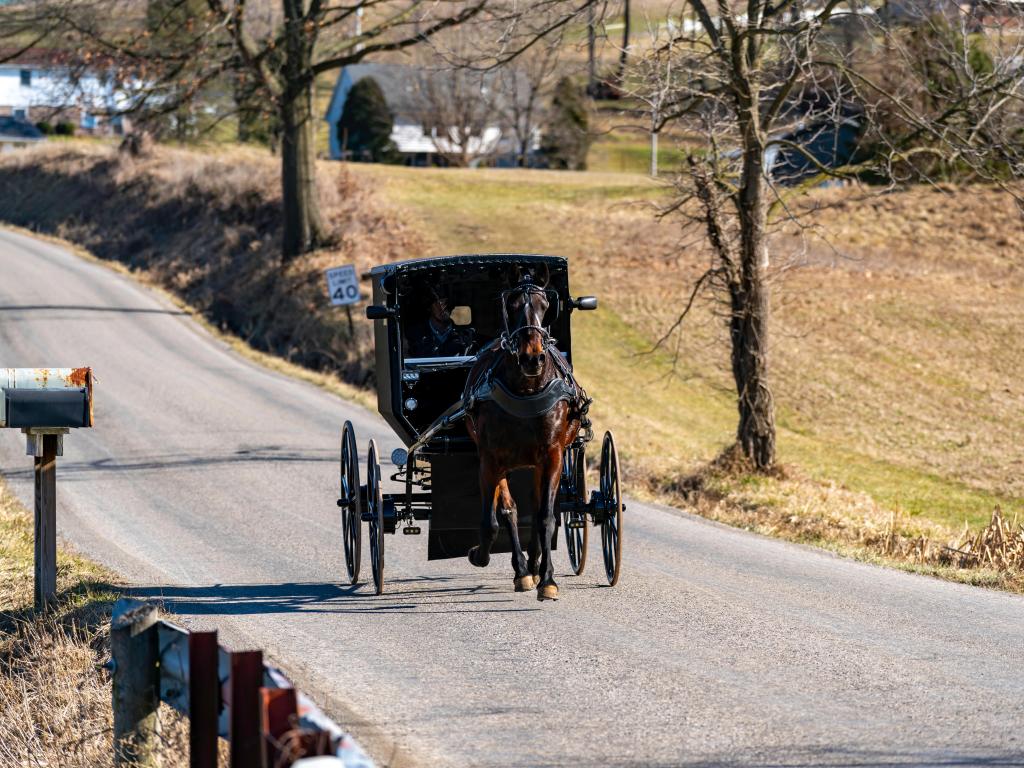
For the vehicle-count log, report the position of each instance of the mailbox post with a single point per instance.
(46, 404)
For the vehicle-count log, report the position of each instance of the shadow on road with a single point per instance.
(273, 454)
(85, 308)
(432, 595)
(859, 758)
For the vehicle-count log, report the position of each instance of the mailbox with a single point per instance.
(45, 404)
(42, 398)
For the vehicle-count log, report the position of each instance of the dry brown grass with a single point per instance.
(786, 504)
(206, 226)
(54, 696)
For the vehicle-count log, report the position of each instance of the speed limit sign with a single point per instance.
(343, 285)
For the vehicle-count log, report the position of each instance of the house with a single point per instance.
(424, 129)
(17, 132)
(41, 85)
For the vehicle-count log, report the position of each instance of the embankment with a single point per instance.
(206, 226)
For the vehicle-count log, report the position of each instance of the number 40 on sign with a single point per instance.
(343, 285)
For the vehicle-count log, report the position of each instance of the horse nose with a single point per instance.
(535, 362)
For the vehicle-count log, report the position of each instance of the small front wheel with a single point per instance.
(375, 515)
(611, 519)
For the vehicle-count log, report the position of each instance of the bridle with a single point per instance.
(528, 288)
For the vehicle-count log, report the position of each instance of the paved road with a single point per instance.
(211, 482)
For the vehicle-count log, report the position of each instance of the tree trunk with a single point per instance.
(303, 227)
(748, 327)
(624, 53)
(591, 55)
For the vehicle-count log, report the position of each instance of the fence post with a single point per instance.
(246, 718)
(135, 648)
(46, 519)
(203, 699)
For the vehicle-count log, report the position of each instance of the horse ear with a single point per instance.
(544, 277)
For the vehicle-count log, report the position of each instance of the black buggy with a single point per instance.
(419, 395)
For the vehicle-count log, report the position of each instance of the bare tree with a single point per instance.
(458, 108)
(784, 100)
(286, 53)
(525, 88)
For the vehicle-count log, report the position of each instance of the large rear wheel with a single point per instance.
(574, 520)
(611, 499)
(348, 500)
(375, 513)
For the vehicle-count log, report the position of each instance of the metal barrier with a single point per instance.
(228, 694)
(46, 404)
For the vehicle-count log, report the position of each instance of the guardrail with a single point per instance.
(225, 694)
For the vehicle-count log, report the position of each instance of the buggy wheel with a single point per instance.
(574, 519)
(611, 500)
(348, 500)
(375, 514)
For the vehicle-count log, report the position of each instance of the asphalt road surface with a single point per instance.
(211, 482)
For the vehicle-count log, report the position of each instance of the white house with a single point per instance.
(419, 144)
(42, 85)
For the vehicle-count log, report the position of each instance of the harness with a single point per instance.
(485, 387)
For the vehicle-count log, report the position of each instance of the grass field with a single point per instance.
(895, 347)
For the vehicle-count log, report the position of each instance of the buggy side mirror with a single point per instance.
(585, 302)
(377, 312)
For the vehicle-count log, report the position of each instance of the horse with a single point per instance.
(524, 409)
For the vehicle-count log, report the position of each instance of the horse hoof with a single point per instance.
(473, 553)
(525, 583)
(547, 592)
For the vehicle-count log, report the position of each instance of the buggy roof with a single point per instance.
(467, 260)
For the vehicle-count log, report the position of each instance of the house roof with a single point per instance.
(19, 129)
(402, 85)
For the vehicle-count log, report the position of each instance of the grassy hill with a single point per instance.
(895, 348)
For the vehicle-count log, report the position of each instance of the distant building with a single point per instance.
(416, 140)
(42, 85)
(17, 133)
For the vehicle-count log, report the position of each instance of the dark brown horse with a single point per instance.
(524, 410)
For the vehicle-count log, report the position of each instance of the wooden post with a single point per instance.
(246, 711)
(135, 649)
(46, 523)
(203, 699)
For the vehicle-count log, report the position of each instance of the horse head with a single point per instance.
(524, 307)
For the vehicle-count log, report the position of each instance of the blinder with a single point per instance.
(528, 288)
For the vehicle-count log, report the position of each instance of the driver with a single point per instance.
(436, 335)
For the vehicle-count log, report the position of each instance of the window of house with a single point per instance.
(23, 114)
(26, 77)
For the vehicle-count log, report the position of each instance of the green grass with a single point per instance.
(628, 155)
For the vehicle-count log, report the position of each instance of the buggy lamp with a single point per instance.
(399, 457)
(585, 302)
(411, 404)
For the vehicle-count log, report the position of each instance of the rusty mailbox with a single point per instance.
(45, 404)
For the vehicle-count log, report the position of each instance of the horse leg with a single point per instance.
(533, 565)
(509, 515)
(548, 477)
(480, 555)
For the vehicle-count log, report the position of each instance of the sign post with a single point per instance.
(45, 403)
(343, 290)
